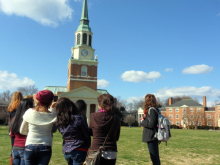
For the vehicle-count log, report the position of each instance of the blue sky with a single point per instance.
(168, 48)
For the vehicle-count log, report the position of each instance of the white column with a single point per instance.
(88, 113)
(96, 108)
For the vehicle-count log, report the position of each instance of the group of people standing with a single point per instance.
(32, 127)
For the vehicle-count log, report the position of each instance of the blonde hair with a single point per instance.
(15, 100)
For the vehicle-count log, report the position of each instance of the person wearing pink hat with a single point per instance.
(37, 125)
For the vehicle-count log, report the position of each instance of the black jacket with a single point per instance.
(150, 126)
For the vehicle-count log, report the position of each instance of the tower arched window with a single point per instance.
(84, 71)
(84, 38)
(90, 40)
(78, 39)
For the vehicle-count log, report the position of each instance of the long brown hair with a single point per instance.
(15, 100)
(106, 101)
(150, 101)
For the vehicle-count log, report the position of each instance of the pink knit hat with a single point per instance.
(44, 97)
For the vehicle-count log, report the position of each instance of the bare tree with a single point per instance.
(119, 103)
(6, 95)
(28, 90)
(186, 117)
(129, 120)
(138, 104)
(197, 117)
(130, 106)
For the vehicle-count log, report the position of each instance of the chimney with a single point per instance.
(170, 101)
(204, 101)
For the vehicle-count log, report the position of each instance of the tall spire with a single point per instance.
(84, 21)
(84, 15)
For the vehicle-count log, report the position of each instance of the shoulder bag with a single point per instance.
(93, 156)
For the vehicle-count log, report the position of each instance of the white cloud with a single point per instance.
(103, 83)
(140, 76)
(197, 69)
(10, 81)
(46, 12)
(187, 91)
(168, 70)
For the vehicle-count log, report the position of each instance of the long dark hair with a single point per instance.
(81, 105)
(18, 119)
(106, 101)
(65, 110)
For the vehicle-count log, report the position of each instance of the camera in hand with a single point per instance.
(55, 98)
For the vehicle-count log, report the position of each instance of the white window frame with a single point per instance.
(209, 116)
(84, 71)
(191, 116)
(177, 116)
(170, 109)
(199, 123)
(170, 116)
(177, 109)
(191, 109)
(219, 115)
(191, 123)
(199, 116)
(170, 122)
(177, 123)
(209, 123)
(199, 109)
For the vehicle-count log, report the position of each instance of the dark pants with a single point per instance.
(37, 154)
(107, 161)
(76, 157)
(154, 152)
(18, 157)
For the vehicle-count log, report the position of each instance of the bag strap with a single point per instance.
(109, 131)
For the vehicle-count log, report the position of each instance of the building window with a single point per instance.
(170, 116)
(199, 109)
(90, 40)
(199, 123)
(191, 123)
(170, 109)
(171, 122)
(78, 39)
(219, 108)
(84, 71)
(177, 123)
(199, 116)
(218, 115)
(177, 116)
(177, 109)
(209, 116)
(191, 116)
(209, 123)
(84, 38)
(191, 109)
(184, 109)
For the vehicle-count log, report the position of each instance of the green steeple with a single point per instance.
(84, 21)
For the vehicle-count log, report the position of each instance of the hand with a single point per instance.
(53, 105)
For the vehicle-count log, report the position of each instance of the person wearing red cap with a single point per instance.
(37, 125)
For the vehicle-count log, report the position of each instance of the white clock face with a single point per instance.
(84, 52)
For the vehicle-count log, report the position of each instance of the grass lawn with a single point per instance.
(186, 147)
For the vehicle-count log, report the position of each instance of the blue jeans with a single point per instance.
(154, 152)
(37, 154)
(76, 157)
(18, 157)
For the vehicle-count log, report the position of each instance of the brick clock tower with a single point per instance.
(82, 67)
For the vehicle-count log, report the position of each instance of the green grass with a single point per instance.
(186, 147)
